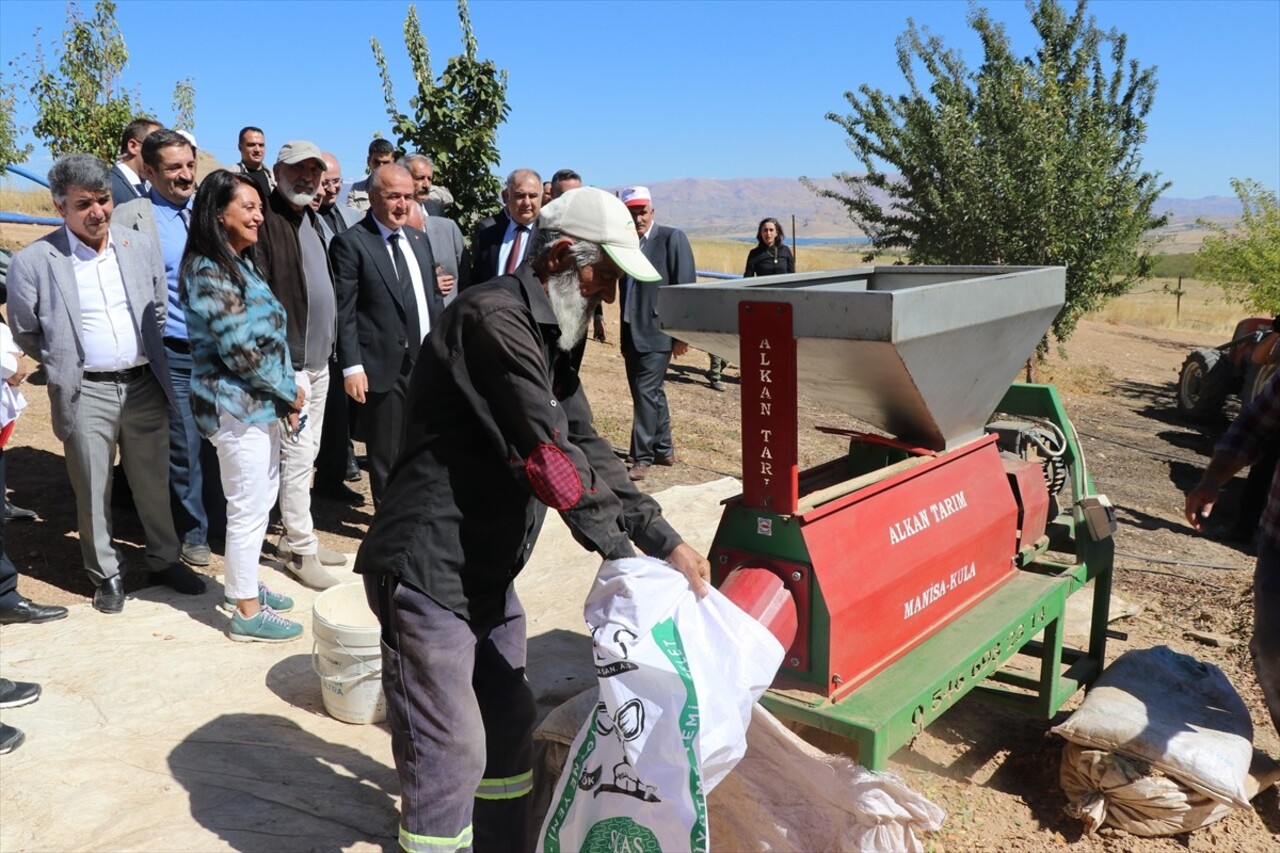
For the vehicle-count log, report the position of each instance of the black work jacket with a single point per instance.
(497, 427)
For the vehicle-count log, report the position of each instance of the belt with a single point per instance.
(121, 377)
(181, 345)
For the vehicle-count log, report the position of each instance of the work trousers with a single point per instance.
(133, 417)
(461, 715)
(297, 459)
(249, 459)
(650, 416)
(1266, 626)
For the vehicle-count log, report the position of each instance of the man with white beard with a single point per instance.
(497, 429)
(291, 256)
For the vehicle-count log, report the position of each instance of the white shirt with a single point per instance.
(132, 177)
(11, 400)
(405, 259)
(110, 339)
(508, 240)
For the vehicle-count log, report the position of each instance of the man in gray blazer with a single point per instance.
(646, 350)
(88, 302)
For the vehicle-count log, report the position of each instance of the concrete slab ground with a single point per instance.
(156, 733)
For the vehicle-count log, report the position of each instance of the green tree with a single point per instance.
(184, 104)
(11, 153)
(1244, 260)
(82, 105)
(1023, 161)
(455, 119)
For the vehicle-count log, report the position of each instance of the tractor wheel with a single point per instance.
(1255, 380)
(1203, 384)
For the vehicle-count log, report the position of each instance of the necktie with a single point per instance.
(414, 329)
(513, 259)
(185, 216)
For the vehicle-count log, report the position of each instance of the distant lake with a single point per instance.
(815, 241)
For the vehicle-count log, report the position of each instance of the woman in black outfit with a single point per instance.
(769, 257)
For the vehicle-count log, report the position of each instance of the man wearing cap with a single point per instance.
(498, 429)
(646, 350)
(290, 253)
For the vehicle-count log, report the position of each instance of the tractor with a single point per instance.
(1242, 366)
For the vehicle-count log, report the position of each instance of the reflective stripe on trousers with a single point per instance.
(431, 844)
(506, 789)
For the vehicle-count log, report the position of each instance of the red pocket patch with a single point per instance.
(553, 476)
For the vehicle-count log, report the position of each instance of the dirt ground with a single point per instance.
(995, 773)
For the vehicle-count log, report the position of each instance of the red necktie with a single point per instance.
(513, 259)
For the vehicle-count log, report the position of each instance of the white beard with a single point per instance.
(295, 196)
(571, 308)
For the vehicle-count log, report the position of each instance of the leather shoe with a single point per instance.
(340, 492)
(27, 610)
(180, 578)
(109, 596)
(666, 461)
(17, 513)
(640, 470)
(196, 554)
(353, 471)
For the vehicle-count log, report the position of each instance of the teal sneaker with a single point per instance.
(265, 627)
(278, 602)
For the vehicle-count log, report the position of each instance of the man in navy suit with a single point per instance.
(387, 301)
(646, 350)
(126, 180)
(500, 248)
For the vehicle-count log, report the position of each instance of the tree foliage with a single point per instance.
(455, 119)
(184, 104)
(1245, 259)
(82, 106)
(11, 153)
(1023, 161)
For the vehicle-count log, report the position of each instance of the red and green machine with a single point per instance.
(907, 573)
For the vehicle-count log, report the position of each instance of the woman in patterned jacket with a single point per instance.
(243, 394)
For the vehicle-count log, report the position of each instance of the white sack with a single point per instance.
(1176, 713)
(678, 677)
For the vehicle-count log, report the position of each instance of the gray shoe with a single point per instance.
(327, 556)
(307, 568)
(196, 554)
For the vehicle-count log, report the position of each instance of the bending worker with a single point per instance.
(497, 429)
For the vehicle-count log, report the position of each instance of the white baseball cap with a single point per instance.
(636, 196)
(596, 216)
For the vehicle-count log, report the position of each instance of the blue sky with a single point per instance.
(637, 92)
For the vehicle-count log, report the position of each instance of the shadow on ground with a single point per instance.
(259, 782)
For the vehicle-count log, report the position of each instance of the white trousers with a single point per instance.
(297, 462)
(249, 455)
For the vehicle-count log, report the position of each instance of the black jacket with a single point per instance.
(278, 257)
(769, 260)
(498, 428)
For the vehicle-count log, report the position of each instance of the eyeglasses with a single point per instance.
(331, 182)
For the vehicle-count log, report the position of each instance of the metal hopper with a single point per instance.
(924, 353)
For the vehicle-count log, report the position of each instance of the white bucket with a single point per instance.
(347, 655)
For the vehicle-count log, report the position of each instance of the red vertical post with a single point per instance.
(770, 446)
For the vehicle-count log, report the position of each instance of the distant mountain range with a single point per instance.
(733, 208)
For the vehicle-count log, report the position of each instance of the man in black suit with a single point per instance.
(500, 248)
(646, 351)
(387, 302)
(126, 183)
